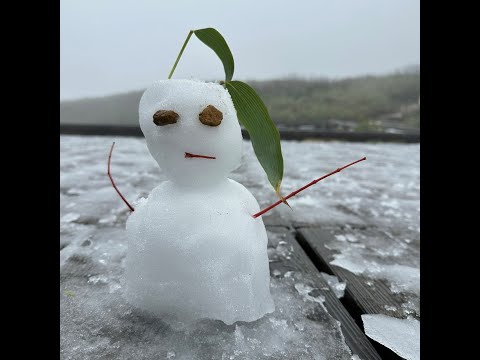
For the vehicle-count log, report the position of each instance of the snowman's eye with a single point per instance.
(211, 116)
(165, 117)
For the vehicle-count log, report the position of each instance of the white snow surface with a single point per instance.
(402, 278)
(383, 191)
(96, 322)
(402, 336)
(337, 286)
(379, 254)
(194, 250)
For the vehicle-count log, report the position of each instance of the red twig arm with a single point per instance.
(260, 213)
(113, 182)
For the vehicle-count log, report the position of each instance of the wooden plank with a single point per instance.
(363, 294)
(299, 261)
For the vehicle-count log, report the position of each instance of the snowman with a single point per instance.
(195, 251)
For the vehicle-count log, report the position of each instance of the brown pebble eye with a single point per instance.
(211, 116)
(165, 117)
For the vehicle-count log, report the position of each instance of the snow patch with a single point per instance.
(401, 278)
(402, 336)
(70, 217)
(336, 285)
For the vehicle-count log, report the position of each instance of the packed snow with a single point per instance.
(97, 322)
(169, 143)
(379, 254)
(337, 286)
(402, 336)
(87, 191)
(403, 278)
(195, 251)
(375, 213)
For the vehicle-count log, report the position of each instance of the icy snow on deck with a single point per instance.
(384, 190)
(380, 195)
(402, 336)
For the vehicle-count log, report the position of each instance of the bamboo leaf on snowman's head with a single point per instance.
(215, 41)
(253, 115)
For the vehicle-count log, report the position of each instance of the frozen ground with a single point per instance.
(400, 335)
(97, 323)
(382, 191)
(384, 253)
(372, 208)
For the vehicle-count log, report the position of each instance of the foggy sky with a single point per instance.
(113, 46)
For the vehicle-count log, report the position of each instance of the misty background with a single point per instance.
(345, 65)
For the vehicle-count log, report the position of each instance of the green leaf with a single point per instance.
(215, 41)
(253, 115)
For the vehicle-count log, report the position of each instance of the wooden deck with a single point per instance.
(363, 294)
(299, 261)
(97, 323)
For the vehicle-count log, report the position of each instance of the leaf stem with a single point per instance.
(113, 183)
(180, 53)
(304, 187)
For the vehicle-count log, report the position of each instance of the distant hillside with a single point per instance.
(384, 103)
(121, 109)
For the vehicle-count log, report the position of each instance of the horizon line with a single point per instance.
(407, 69)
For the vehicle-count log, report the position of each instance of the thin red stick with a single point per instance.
(304, 187)
(189, 155)
(113, 183)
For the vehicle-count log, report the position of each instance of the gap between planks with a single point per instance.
(355, 339)
(359, 297)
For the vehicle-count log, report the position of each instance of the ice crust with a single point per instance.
(97, 323)
(380, 255)
(402, 336)
(195, 251)
(337, 286)
(351, 197)
(402, 278)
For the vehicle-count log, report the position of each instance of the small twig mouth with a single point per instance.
(190, 155)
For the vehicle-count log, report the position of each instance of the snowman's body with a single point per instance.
(195, 251)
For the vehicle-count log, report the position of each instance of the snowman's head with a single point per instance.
(192, 130)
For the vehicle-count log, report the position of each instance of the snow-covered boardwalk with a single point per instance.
(362, 225)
